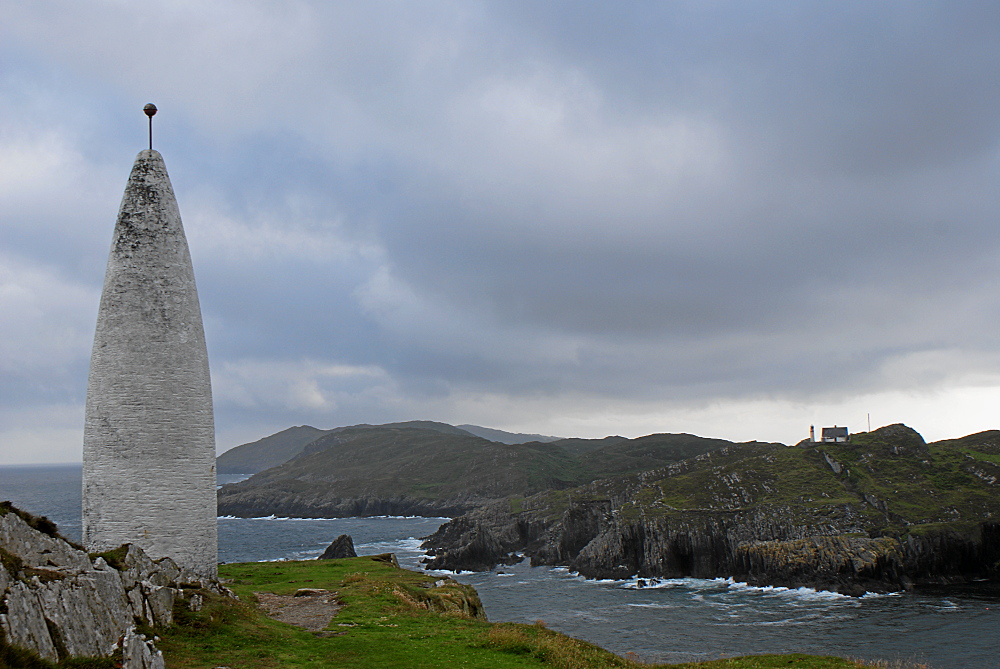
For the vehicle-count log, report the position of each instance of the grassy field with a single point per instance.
(390, 618)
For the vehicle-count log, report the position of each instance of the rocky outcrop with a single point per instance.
(59, 602)
(482, 539)
(341, 547)
(760, 548)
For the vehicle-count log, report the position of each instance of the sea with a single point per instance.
(676, 620)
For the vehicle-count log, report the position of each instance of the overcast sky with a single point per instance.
(734, 219)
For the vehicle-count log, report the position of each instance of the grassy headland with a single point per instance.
(406, 470)
(390, 617)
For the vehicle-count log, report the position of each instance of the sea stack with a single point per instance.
(149, 437)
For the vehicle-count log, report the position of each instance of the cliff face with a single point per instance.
(881, 514)
(59, 602)
(756, 548)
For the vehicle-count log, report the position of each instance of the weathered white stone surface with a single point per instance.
(149, 436)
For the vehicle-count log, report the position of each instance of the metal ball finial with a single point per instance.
(150, 109)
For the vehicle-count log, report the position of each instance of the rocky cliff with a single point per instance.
(58, 602)
(882, 513)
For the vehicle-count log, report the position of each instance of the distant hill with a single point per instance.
(506, 437)
(283, 446)
(267, 452)
(577, 446)
(403, 470)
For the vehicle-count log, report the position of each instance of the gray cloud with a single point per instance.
(517, 211)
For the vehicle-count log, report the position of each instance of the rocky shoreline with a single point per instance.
(254, 504)
(755, 547)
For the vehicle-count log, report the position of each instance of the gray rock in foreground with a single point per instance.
(58, 600)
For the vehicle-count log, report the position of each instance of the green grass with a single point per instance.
(919, 484)
(390, 618)
(114, 557)
(985, 457)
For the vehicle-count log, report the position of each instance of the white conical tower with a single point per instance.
(149, 438)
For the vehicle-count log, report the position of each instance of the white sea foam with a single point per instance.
(877, 595)
(804, 594)
(410, 545)
(686, 582)
(402, 517)
(274, 517)
(286, 518)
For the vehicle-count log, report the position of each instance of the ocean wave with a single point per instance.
(878, 595)
(274, 517)
(802, 593)
(400, 517)
(410, 545)
(946, 605)
(664, 583)
(703, 585)
(785, 622)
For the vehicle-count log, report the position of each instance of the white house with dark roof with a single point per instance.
(835, 434)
